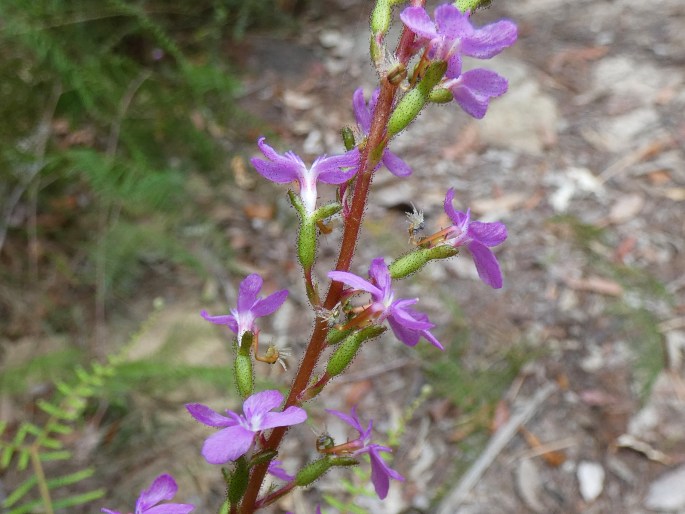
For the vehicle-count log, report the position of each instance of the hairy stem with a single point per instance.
(368, 162)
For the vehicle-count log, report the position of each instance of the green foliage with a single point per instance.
(31, 450)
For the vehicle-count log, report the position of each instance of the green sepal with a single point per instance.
(244, 376)
(381, 17)
(336, 335)
(313, 471)
(326, 211)
(296, 202)
(472, 5)
(347, 351)
(414, 261)
(262, 457)
(440, 96)
(348, 138)
(306, 243)
(238, 482)
(411, 104)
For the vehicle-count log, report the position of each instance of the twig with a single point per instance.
(497, 443)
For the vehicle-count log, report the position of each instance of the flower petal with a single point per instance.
(227, 445)
(351, 419)
(408, 336)
(395, 165)
(208, 416)
(484, 82)
(171, 508)
(361, 111)
(222, 320)
(107, 511)
(488, 41)
(418, 21)
(290, 416)
(328, 169)
(452, 23)
(490, 234)
(248, 291)
(457, 217)
(407, 320)
(354, 282)
(380, 274)
(278, 168)
(163, 488)
(381, 473)
(260, 403)
(270, 304)
(486, 264)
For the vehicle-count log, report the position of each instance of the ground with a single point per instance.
(562, 392)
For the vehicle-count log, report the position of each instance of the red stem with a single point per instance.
(317, 342)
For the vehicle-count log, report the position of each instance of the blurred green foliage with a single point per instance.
(108, 108)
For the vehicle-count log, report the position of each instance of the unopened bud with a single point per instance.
(326, 211)
(313, 471)
(380, 17)
(348, 138)
(336, 335)
(440, 95)
(244, 377)
(411, 104)
(238, 481)
(306, 243)
(414, 261)
(347, 351)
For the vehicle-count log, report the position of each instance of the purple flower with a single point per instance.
(473, 89)
(289, 167)
(163, 488)
(364, 113)
(407, 324)
(380, 472)
(453, 35)
(250, 307)
(238, 431)
(476, 236)
(277, 470)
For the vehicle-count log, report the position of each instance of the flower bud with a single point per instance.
(472, 5)
(306, 243)
(440, 95)
(348, 138)
(312, 471)
(336, 335)
(238, 481)
(244, 378)
(344, 354)
(414, 261)
(411, 104)
(326, 211)
(380, 17)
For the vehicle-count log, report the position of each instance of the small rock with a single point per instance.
(590, 480)
(626, 208)
(667, 493)
(529, 485)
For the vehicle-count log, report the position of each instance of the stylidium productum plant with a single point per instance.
(424, 67)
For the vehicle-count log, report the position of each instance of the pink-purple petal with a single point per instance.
(248, 291)
(261, 403)
(290, 416)
(227, 445)
(328, 169)
(490, 40)
(486, 264)
(381, 473)
(163, 488)
(351, 419)
(171, 508)
(451, 22)
(107, 511)
(490, 234)
(457, 217)
(380, 274)
(208, 416)
(227, 319)
(361, 111)
(418, 21)
(395, 165)
(407, 320)
(354, 282)
(484, 82)
(406, 335)
(270, 304)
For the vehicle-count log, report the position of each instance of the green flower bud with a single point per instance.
(313, 471)
(238, 482)
(244, 377)
(262, 457)
(414, 261)
(306, 243)
(380, 17)
(344, 461)
(411, 104)
(472, 5)
(348, 138)
(335, 335)
(344, 354)
(326, 211)
(440, 96)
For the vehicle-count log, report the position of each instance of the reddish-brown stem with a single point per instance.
(275, 495)
(368, 161)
